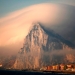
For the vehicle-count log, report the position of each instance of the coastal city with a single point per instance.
(57, 67)
(61, 67)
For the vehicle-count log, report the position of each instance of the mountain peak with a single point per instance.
(36, 34)
(35, 26)
(38, 42)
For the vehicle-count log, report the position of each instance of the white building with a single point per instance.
(0, 65)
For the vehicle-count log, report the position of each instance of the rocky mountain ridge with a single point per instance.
(38, 47)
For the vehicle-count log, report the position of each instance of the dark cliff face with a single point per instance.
(37, 48)
(46, 40)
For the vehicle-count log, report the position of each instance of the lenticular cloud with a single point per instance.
(15, 25)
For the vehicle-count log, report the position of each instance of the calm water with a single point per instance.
(9, 72)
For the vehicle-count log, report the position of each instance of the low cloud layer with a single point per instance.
(17, 23)
(14, 27)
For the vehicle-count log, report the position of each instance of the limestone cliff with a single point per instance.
(38, 46)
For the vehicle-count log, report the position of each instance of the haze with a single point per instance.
(15, 26)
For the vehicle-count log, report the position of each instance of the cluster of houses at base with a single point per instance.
(68, 67)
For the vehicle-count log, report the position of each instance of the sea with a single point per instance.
(14, 72)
